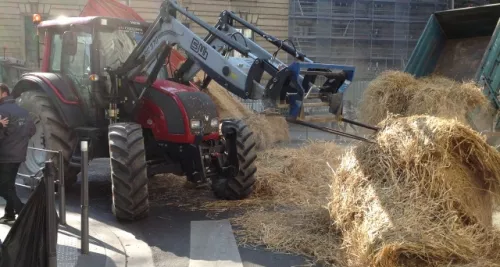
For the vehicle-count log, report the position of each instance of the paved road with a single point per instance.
(180, 238)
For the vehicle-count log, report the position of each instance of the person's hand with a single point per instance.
(4, 122)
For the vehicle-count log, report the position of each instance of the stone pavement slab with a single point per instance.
(68, 244)
(108, 245)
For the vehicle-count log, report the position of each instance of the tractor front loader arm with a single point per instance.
(296, 80)
(167, 32)
(240, 76)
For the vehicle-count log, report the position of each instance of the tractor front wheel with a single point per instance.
(128, 171)
(240, 158)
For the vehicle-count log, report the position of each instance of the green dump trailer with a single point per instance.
(464, 44)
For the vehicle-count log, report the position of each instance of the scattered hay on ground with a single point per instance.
(291, 177)
(285, 176)
(421, 196)
(401, 93)
(305, 231)
(286, 210)
(289, 198)
(268, 130)
(297, 176)
(172, 190)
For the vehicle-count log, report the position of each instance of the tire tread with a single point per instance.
(128, 171)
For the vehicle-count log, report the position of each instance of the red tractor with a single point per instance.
(171, 128)
(123, 86)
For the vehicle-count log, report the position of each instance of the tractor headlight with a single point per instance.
(214, 123)
(195, 124)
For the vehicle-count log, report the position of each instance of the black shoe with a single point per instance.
(7, 219)
(19, 211)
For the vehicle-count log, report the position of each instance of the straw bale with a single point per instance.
(227, 105)
(268, 130)
(446, 98)
(395, 92)
(390, 92)
(421, 196)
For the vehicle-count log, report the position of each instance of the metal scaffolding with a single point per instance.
(373, 35)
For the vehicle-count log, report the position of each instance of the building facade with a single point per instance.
(373, 35)
(18, 34)
(271, 16)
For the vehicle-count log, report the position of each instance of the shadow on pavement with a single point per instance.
(167, 230)
(70, 257)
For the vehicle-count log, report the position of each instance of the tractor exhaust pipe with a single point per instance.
(98, 96)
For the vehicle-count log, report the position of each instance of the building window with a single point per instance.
(247, 33)
(31, 41)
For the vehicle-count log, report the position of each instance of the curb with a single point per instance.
(132, 252)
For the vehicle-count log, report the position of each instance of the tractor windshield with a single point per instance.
(116, 46)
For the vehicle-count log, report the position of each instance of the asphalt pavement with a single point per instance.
(175, 235)
(180, 237)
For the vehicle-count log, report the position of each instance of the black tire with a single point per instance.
(128, 171)
(241, 149)
(51, 133)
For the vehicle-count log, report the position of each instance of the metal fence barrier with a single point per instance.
(59, 181)
(85, 198)
(49, 172)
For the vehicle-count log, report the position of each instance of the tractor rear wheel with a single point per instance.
(241, 156)
(51, 133)
(128, 171)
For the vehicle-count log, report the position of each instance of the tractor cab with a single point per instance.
(79, 49)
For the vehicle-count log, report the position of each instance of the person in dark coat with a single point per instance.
(14, 139)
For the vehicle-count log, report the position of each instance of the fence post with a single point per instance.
(62, 190)
(51, 227)
(85, 198)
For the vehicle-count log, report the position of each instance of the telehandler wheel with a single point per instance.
(51, 133)
(240, 148)
(128, 171)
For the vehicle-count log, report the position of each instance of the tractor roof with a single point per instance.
(68, 21)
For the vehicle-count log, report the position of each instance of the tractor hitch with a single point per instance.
(375, 128)
(333, 131)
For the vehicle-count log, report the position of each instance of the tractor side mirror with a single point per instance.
(69, 43)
